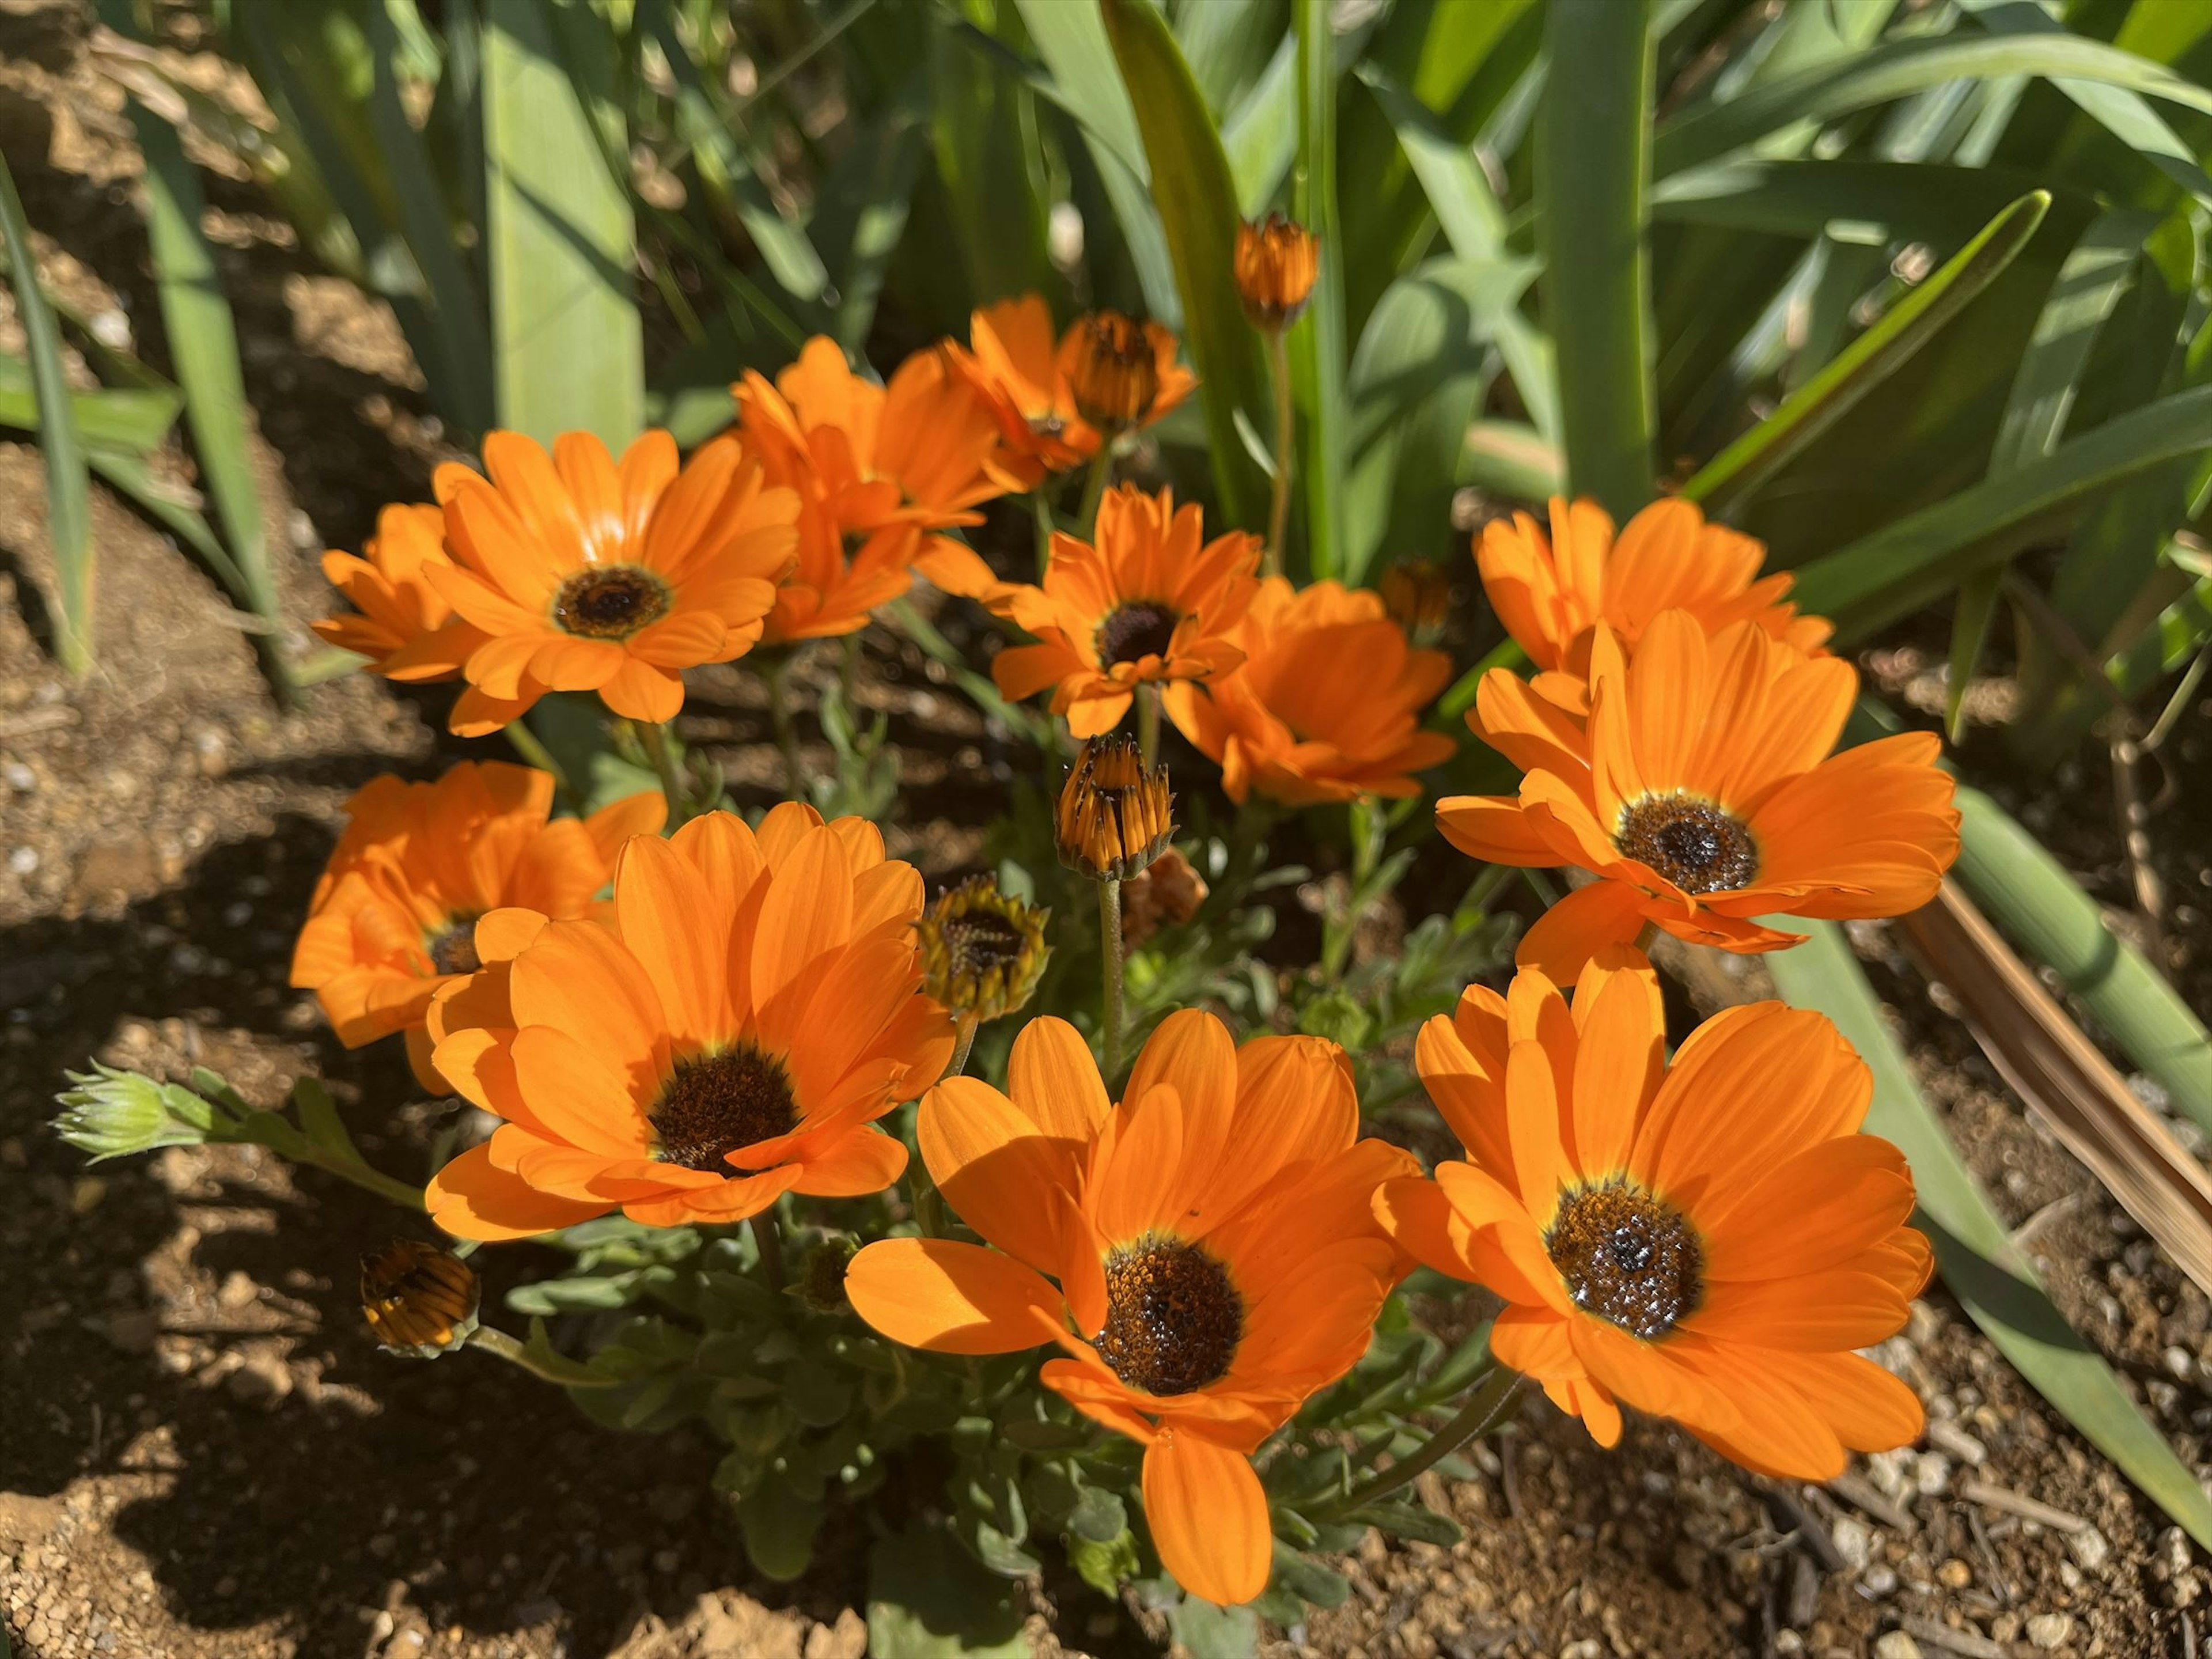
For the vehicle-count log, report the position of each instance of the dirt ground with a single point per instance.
(202, 1455)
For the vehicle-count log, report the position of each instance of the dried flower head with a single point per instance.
(1116, 813)
(820, 1281)
(982, 951)
(1277, 261)
(1023, 367)
(419, 1299)
(1113, 371)
(1167, 894)
(1416, 597)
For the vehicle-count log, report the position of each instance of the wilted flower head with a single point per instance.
(1417, 596)
(1167, 894)
(113, 1113)
(1028, 373)
(1116, 813)
(982, 950)
(1114, 371)
(1277, 261)
(419, 1299)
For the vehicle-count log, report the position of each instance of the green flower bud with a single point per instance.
(111, 1113)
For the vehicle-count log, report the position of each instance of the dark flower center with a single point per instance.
(713, 1104)
(453, 948)
(610, 602)
(980, 941)
(1136, 631)
(1627, 1258)
(1173, 1320)
(1692, 842)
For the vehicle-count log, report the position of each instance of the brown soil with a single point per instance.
(201, 1453)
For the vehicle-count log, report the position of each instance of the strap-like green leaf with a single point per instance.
(1317, 342)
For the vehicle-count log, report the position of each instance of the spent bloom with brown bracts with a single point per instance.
(1417, 596)
(1278, 260)
(420, 1299)
(1707, 1240)
(1702, 792)
(1114, 370)
(1116, 813)
(1013, 357)
(1206, 1253)
(1167, 893)
(982, 950)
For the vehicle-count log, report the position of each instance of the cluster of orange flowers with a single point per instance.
(1708, 1238)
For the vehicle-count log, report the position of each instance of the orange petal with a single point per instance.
(861, 1161)
(1816, 1210)
(1054, 1081)
(470, 1198)
(661, 904)
(1586, 922)
(1618, 1065)
(1208, 1516)
(953, 1297)
(995, 1169)
(1132, 1186)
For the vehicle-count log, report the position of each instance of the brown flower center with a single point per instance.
(716, 1103)
(1173, 1320)
(1627, 1258)
(980, 941)
(1696, 845)
(1136, 631)
(610, 601)
(453, 948)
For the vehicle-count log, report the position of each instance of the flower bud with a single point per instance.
(982, 951)
(1418, 598)
(419, 1299)
(1114, 374)
(111, 1113)
(1277, 261)
(820, 1281)
(1116, 813)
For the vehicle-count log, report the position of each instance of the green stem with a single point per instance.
(1094, 487)
(1485, 1408)
(1286, 431)
(1041, 511)
(368, 1180)
(1148, 722)
(1110, 960)
(848, 675)
(963, 1046)
(526, 743)
(1645, 936)
(661, 746)
(567, 1373)
(786, 735)
(768, 1239)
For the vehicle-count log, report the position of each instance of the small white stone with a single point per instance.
(1931, 1475)
(111, 328)
(1897, 1645)
(23, 860)
(1878, 1581)
(2089, 1547)
(1853, 1543)
(2179, 1364)
(21, 778)
(2050, 1630)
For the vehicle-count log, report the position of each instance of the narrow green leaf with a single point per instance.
(1197, 203)
(1870, 202)
(1997, 1287)
(1915, 560)
(1508, 458)
(176, 511)
(1261, 134)
(130, 417)
(1466, 207)
(69, 497)
(1859, 367)
(1316, 342)
(864, 206)
(2031, 897)
(567, 343)
(1592, 167)
(1970, 632)
(979, 140)
(1895, 69)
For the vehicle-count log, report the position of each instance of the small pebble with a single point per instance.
(2089, 1548)
(2180, 1364)
(1954, 1574)
(2050, 1630)
(23, 859)
(1931, 1475)
(111, 328)
(19, 778)
(1853, 1543)
(1897, 1645)
(1878, 1581)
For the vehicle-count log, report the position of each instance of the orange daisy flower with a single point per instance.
(403, 625)
(1702, 793)
(1015, 359)
(842, 579)
(1327, 705)
(1213, 1240)
(586, 577)
(732, 1034)
(1551, 593)
(394, 919)
(1708, 1241)
(1145, 602)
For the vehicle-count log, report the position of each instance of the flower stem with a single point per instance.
(1109, 961)
(963, 1045)
(661, 746)
(1094, 487)
(786, 735)
(1644, 940)
(848, 675)
(1287, 436)
(1485, 1408)
(768, 1239)
(533, 752)
(1148, 722)
(1040, 510)
(368, 1180)
(566, 1372)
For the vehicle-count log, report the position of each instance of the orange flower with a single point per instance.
(405, 627)
(1146, 603)
(393, 917)
(841, 580)
(1550, 594)
(1707, 1242)
(1327, 705)
(1016, 362)
(1702, 792)
(585, 577)
(1278, 260)
(753, 1007)
(1213, 1244)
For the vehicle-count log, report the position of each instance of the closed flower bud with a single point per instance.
(1113, 371)
(982, 951)
(419, 1299)
(1116, 813)
(111, 1113)
(1166, 896)
(1418, 598)
(1277, 261)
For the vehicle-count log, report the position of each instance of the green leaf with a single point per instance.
(1915, 560)
(68, 496)
(865, 203)
(1854, 201)
(998, 217)
(128, 418)
(1261, 134)
(1316, 341)
(1197, 203)
(1896, 68)
(567, 340)
(780, 1528)
(1970, 631)
(1473, 219)
(177, 511)
(2030, 896)
(1862, 366)
(1592, 167)
(1998, 1288)
(1415, 1521)
(1512, 459)
(1212, 1633)
(927, 1599)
